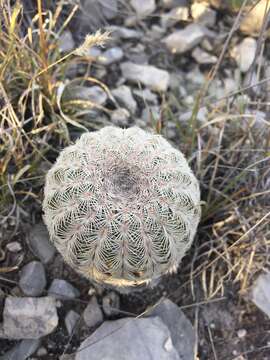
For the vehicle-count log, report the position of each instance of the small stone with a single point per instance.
(175, 15)
(254, 18)
(111, 303)
(63, 290)
(40, 244)
(14, 246)
(150, 76)
(260, 294)
(94, 52)
(203, 14)
(92, 314)
(241, 333)
(170, 4)
(95, 94)
(33, 279)
(71, 320)
(66, 42)
(244, 53)
(125, 33)
(125, 98)
(109, 8)
(23, 350)
(142, 7)
(111, 56)
(147, 96)
(120, 117)
(182, 41)
(203, 57)
(143, 338)
(151, 114)
(29, 318)
(42, 351)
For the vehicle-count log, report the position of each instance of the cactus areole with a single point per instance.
(122, 206)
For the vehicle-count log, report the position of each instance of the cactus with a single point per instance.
(121, 206)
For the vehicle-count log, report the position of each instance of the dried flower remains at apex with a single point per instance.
(121, 206)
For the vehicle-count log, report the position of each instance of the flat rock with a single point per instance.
(29, 318)
(181, 41)
(40, 244)
(125, 98)
(142, 7)
(203, 14)
(260, 293)
(203, 57)
(33, 278)
(244, 53)
(182, 333)
(148, 75)
(129, 338)
(23, 350)
(95, 94)
(92, 314)
(71, 320)
(63, 290)
(111, 56)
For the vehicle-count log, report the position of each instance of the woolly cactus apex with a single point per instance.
(121, 206)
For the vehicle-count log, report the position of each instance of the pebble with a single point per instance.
(254, 18)
(147, 96)
(260, 293)
(109, 8)
(203, 57)
(150, 76)
(23, 350)
(63, 290)
(40, 244)
(143, 338)
(66, 42)
(125, 98)
(14, 247)
(29, 318)
(241, 333)
(42, 351)
(203, 14)
(181, 41)
(175, 15)
(125, 33)
(33, 279)
(201, 115)
(111, 303)
(169, 4)
(71, 320)
(120, 117)
(151, 114)
(92, 314)
(95, 94)
(142, 7)
(244, 53)
(111, 56)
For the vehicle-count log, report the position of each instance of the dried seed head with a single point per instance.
(121, 206)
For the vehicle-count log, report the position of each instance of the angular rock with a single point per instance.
(244, 53)
(29, 318)
(175, 15)
(147, 96)
(182, 333)
(150, 76)
(203, 14)
(33, 279)
(203, 57)
(95, 94)
(125, 98)
(129, 338)
(111, 303)
(184, 40)
(40, 244)
(63, 290)
(66, 42)
(71, 320)
(142, 7)
(111, 56)
(125, 33)
(14, 246)
(23, 350)
(120, 117)
(92, 314)
(260, 293)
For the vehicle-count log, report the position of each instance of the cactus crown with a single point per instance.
(121, 206)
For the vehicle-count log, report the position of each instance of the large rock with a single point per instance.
(150, 76)
(182, 333)
(33, 279)
(40, 244)
(29, 318)
(129, 338)
(184, 40)
(260, 294)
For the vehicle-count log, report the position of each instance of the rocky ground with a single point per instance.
(47, 311)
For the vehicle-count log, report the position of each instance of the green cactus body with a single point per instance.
(121, 206)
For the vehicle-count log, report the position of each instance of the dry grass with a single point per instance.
(230, 153)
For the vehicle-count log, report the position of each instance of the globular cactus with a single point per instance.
(121, 206)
